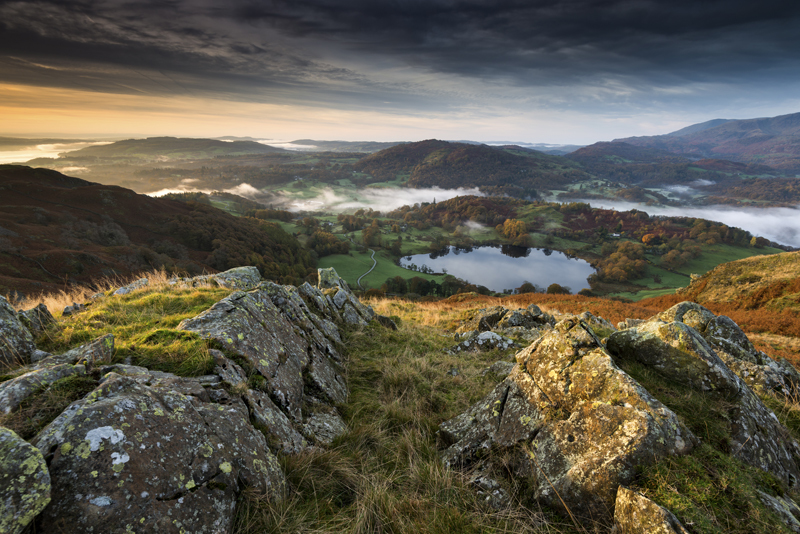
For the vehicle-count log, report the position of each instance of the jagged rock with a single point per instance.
(286, 355)
(351, 316)
(230, 373)
(574, 423)
(526, 318)
(636, 514)
(133, 286)
(386, 322)
(16, 341)
(484, 320)
(250, 325)
(483, 342)
(242, 278)
(16, 390)
(281, 435)
(24, 482)
(323, 428)
(93, 353)
(679, 353)
(37, 319)
(72, 310)
(329, 279)
(730, 343)
(786, 508)
(321, 331)
(494, 494)
(629, 323)
(39, 355)
(500, 368)
(130, 454)
(597, 322)
(527, 334)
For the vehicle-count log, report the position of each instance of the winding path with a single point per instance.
(374, 263)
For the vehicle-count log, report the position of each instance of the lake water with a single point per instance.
(507, 267)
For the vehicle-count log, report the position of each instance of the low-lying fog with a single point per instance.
(379, 199)
(781, 225)
(21, 155)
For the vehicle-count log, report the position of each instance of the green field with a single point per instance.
(351, 266)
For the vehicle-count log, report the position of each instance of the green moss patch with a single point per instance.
(144, 326)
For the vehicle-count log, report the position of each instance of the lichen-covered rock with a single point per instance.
(483, 342)
(597, 323)
(24, 482)
(785, 507)
(230, 373)
(636, 514)
(574, 423)
(500, 368)
(133, 286)
(678, 352)
(250, 325)
(484, 320)
(147, 458)
(281, 435)
(243, 278)
(93, 353)
(386, 322)
(527, 318)
(526, 334)
(629, 323)
(324, 427)
(73, 309)
(16, 341)
(351, 316)
(37, 319)
(16, 390)
(329, 279)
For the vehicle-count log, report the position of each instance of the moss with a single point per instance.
(144, 326)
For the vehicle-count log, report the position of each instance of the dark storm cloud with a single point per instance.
(333, 51)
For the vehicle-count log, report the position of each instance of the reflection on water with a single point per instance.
(506, 266)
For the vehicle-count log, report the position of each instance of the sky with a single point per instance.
(549, 71)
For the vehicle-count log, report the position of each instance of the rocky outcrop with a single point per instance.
(636, 514)
(523, 324)
(153, 457)
(678, 352)
(730, 343)
(14, 391)
(482, 342)
(576, 424)
(37, 319)
(16, 341)
(24, 482)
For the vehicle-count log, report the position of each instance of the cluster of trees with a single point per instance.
(516, 231)
(625, 263)
(451, 213)
(269, 213)
(419, 286)
(325, 243)
(232, 242)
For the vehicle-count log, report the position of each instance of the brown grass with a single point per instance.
(56, 302)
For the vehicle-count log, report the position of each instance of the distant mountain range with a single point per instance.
(772, 141)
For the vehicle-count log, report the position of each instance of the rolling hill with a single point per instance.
(503, 170)
(55, 229)
(773, 141)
